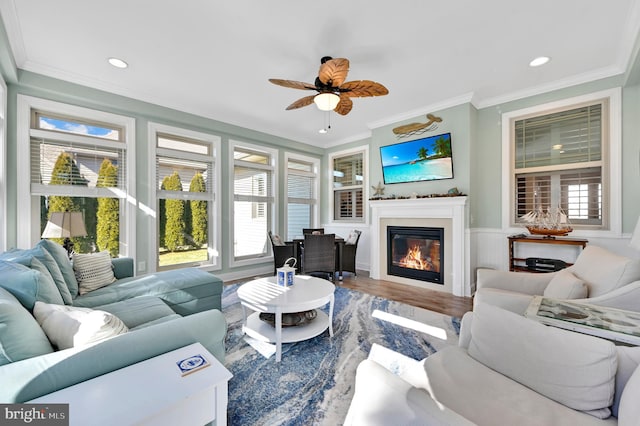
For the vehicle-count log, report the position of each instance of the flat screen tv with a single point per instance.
(418, 160)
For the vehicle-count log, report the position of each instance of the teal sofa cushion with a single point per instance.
(139, 310)
(47, 260)
(185, 291)
(46, 290)
(122, 267)
(61, 257)
(20, 335)
(26, 284)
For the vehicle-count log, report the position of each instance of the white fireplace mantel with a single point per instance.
(452, 208)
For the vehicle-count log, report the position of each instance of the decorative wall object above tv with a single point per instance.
(415, 129)
(418, 160)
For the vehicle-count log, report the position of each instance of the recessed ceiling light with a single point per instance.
(118, 63)
(322, 131)
(540, 60)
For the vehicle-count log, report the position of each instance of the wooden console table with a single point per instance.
(517, 264)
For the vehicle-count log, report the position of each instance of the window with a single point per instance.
(349, 172)
(302, 193)
(562, 155)
(76, 159)
(186, 183)
(253, 200)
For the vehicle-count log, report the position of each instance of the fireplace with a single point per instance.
(416, 252)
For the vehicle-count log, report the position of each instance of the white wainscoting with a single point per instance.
(490, 249)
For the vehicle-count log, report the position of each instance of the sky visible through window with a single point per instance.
(67, 126)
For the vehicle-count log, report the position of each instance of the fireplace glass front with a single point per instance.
(415, 252)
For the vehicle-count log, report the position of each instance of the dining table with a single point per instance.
(298, 244)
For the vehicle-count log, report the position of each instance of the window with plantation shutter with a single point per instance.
(302, 193)
(185, 187)
(253, 199)
(349, 176)
(560, 157)
(76, 159)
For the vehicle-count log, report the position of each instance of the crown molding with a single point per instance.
(587, 77)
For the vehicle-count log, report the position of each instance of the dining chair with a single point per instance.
(349, 249)
(319, 255)
(306, 231)
(281, 251)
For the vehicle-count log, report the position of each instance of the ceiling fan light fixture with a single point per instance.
(326, 101)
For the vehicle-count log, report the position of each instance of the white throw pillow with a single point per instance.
(352, 238)
(93, 271)
(573, 369)
(604, 271)
(277, 240)
(68, 326)
(565, 285)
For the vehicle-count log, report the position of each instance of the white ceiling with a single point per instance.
(213, 58)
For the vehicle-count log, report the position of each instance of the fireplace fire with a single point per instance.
(415, 252)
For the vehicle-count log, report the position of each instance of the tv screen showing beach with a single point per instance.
(419, 160)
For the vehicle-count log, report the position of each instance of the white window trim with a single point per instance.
(316, 187)
(273, 153)
(3, 165)
(29, 224)
(215, 247)
(614, 150)
(365, 189)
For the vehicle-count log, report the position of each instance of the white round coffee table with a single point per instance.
(265, 295)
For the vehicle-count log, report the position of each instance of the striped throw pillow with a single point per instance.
(93, 271)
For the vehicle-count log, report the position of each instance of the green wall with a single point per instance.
(487, 178)
(476, 144)
(455, 120)
(476, 136)
(458, 120)
(44, 87)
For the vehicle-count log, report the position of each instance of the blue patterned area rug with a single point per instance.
(313, 384)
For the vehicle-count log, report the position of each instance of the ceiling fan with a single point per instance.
(333, 92)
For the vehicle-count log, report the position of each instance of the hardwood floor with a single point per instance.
(437, 301)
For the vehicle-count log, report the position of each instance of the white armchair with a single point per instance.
(506, 370)
(598, 277)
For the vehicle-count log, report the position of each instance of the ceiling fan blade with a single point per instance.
(363, 88)
(345, 104)
(293, 84)
(334, 72)
(302, 102)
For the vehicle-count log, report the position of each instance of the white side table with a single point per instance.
(265, 295)
(151, 392)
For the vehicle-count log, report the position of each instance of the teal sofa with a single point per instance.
(163, 311)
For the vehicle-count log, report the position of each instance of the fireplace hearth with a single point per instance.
(416, 253)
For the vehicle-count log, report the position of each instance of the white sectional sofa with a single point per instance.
(506, 370)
